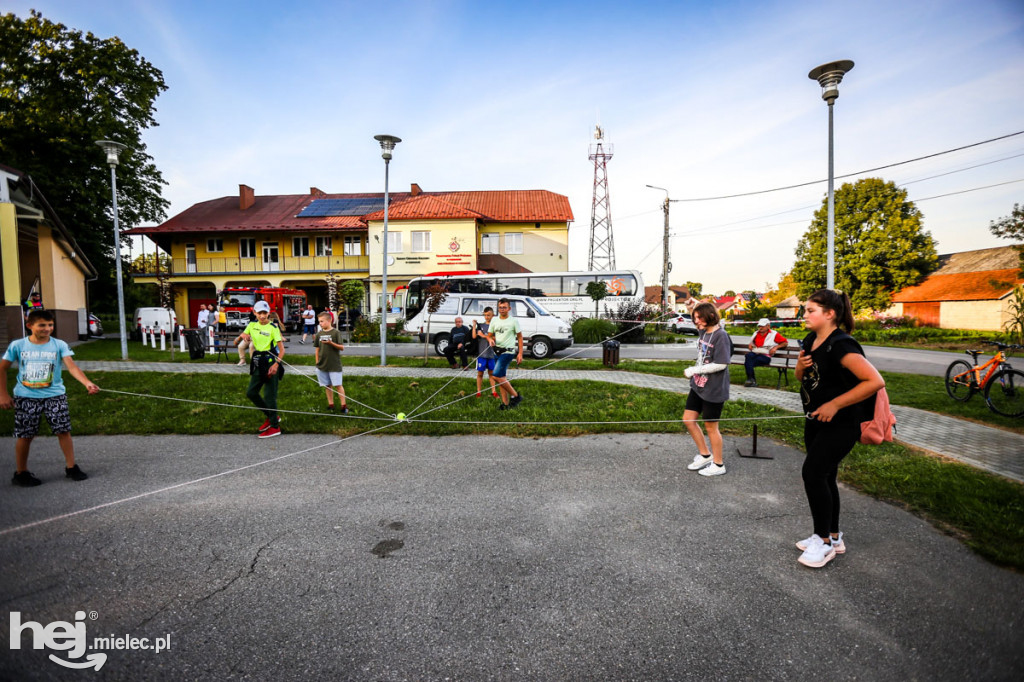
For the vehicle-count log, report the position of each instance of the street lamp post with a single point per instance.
(387, 145)
(829, 76)
(664, 254)
(113, 150)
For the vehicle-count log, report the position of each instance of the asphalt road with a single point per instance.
(482, 558)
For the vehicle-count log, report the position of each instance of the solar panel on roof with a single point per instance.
(319, 208)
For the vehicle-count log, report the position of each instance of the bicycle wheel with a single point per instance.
(959, 387)
(1005, 393)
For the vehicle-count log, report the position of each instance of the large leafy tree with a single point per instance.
(1011, 227)
(60, 91)
(880, 246)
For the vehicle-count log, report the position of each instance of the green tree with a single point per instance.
(880, 246)
(695, 288)
(597, 290)
(1011, 227)
(60, 91)
(783, 289)
(351, 294)
(149, 263)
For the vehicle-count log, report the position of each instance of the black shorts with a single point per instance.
(710, 411)
(29, 411)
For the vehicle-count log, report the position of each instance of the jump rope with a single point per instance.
(391, 420)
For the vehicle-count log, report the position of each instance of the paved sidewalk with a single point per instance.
(988, 448)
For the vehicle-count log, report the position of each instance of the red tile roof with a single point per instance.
(277, 212)
(421, 207)
(962, 286)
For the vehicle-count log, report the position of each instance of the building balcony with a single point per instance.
(182, 267)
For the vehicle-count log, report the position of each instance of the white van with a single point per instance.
(154, 318)
(543, 332)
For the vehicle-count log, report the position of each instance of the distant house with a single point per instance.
(725, 304)
(970, 290)
(652, 295)
(788, 308)
(39, 255)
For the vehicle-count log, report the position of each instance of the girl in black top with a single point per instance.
(835, 380)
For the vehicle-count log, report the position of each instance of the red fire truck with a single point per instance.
(237, 303)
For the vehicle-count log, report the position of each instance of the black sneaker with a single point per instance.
(75, 474)
(25, 479)
(749, 383)
(344, 409)
(503, 406)
(515, 401)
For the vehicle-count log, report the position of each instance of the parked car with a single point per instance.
(95, 326)
(543, 332)
(683, 324)
(154, 318)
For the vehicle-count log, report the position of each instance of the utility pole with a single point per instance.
(664, 262)
(665, 265)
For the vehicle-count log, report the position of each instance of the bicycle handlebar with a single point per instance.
(1004, 346)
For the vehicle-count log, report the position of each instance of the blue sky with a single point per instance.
(701, 98)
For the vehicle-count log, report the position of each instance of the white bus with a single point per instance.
(562, 293)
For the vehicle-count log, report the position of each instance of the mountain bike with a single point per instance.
(1003, 385)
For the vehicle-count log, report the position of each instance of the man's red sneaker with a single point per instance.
(271, 432)
(266, 424)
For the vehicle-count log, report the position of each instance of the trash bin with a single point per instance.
(196, 346)
(611, 352)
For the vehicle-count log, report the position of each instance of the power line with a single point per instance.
(850, 175)
(965, 191)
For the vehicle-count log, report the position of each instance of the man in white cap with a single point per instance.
(265, 370)
(762, 346)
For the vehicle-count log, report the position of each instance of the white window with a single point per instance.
(214, 245)
(394, 242)
(489, 242)
(420, 241)
(323, 246)
(246, 248)
(300, 246)
(513, 242)
(353, 246)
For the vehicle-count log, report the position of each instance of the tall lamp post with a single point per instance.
(387, 145)
(664, 255)
(829, 76)
(113, 150)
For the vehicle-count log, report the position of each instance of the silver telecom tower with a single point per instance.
(602, 248)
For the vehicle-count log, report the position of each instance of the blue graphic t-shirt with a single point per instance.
(39, 367)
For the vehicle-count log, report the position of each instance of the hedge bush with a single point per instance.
(588, 330)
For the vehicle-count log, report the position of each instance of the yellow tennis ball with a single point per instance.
(400, 416)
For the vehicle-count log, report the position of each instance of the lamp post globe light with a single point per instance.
(113, 150)
(829, 76)
(387, 145)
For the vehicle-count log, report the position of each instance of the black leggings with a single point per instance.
(827, 444)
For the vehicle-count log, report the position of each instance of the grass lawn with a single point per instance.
(984, 511)
(912, 390)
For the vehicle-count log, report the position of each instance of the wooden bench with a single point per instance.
(783, 361)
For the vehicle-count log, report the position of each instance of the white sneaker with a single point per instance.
(699, 462)
(817, 553)
(712, 470)
(837, 544)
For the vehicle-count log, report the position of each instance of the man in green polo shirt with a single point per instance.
(506, 338)
(264, 370)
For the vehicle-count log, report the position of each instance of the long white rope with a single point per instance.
(535, 369)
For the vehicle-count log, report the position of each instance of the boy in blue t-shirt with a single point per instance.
(40, 391)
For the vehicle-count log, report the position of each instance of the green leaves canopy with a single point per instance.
(1011, 227)
(880, 246)
(60, 91)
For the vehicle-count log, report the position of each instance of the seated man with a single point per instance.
(762, 347)
(458, 342)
